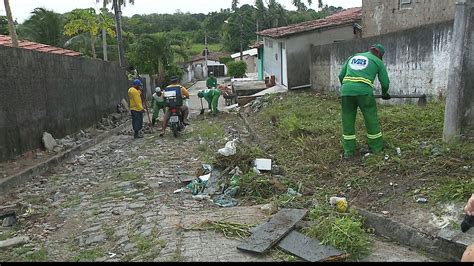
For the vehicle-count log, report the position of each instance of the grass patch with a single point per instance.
(208, 131)
(306, 141)
(230, 230)
(34, 199)
(129, 176)
(142, 164)
(453, 190)
(343, 231)
(37, 256)
(89, 255)
(71, 202)
(143, 244)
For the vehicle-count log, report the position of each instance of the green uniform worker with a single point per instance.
(158, 103)
(357, 78)
(211, 81)
(212, 98)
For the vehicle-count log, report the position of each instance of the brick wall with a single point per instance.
(384, 16)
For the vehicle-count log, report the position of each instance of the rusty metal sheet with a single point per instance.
(309, 249)
(273, 231)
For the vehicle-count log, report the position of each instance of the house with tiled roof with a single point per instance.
(194, 68)
(39, 47)
(286, 53)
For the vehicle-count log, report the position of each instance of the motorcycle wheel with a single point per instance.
(174, 128)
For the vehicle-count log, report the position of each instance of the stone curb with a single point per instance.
(438, 247)
(40, 168)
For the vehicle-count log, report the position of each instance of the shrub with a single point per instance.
(237, 69)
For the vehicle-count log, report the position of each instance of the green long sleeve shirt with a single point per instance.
(208, 95)
(358, 74)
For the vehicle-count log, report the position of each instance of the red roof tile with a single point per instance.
(44, 48)
(347, 16)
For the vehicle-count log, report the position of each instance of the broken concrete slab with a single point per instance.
(273, 90)
(309, 249)
(49, 142)
(13, 242)
(4, 213)
(9, 221)
(273, 231)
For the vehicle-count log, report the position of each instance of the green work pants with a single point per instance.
(157, 106)
(368, 107)
(215, 102)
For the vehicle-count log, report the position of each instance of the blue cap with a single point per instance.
(174, 79)
(137, 82)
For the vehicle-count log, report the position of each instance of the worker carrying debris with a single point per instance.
(211, 82)
(212, 98)
(357, 77)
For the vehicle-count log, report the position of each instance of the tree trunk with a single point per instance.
(93, 38)
(118, 25)
(11, 25)
(104, 37)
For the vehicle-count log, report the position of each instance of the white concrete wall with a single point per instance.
(272, 59)
(417, 60)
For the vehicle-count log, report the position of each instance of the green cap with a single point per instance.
(379, 47)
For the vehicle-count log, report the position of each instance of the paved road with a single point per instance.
(195, 103)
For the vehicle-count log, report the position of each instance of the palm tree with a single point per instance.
(11, 25)
(44, 26)
(104, 32)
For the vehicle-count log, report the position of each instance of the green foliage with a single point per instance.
(44, 26)
(236, 69)
(225, 60)
(3, 25)
(454, 190)
(89, 255)
(87, 21)
(342, 231)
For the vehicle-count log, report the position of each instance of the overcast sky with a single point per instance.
(21, 9)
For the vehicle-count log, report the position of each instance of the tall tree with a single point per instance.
(87, 21)
(44, 26)
(11, 24)
(105, 3)
(235, 4)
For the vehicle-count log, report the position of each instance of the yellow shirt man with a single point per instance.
(135, 99)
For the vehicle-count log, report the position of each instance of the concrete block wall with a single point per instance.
(385, 16)
(54, 93)
(468, 95)
(417, 60)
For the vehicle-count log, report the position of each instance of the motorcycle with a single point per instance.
(175, 121)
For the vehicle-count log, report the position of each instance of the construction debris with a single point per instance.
(263, 164)
(49, 142)
(12, 242)
(229, 149)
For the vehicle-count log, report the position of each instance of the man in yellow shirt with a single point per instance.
(136, 108)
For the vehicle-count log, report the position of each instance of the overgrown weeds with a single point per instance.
(230, 230)
(340, 230)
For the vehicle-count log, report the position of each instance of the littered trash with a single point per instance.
(385, 212)
(255, 170)
(196, 186)
(422, 200)
(339, 203)
(229, 149)
(386, 157)
(111, 255)
(231, 191)
(234, 181)
(178, 190)
(266, 207)
(224, 201)
(236, 171)
(263, 164)
(399, 152)
(207, 167)
(367, 155)
(293, 193)
(201, 197)
(204, 178)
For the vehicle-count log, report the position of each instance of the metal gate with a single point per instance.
(219, 70)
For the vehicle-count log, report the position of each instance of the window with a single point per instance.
(405, 4)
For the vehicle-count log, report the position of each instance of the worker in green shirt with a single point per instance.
(211, 81)
(212, 98)
(158, 103)
(357, 77)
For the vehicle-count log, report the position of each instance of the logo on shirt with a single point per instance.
(359, 62)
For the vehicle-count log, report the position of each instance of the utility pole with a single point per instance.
(118, 26)
(11, 25)
(257, 32)
(241, 37)
(205, 54)
(104, 35)
(454, 96)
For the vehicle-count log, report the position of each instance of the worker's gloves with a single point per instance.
(386, 96)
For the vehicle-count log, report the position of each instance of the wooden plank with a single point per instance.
(273, 231)
(309, 249)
